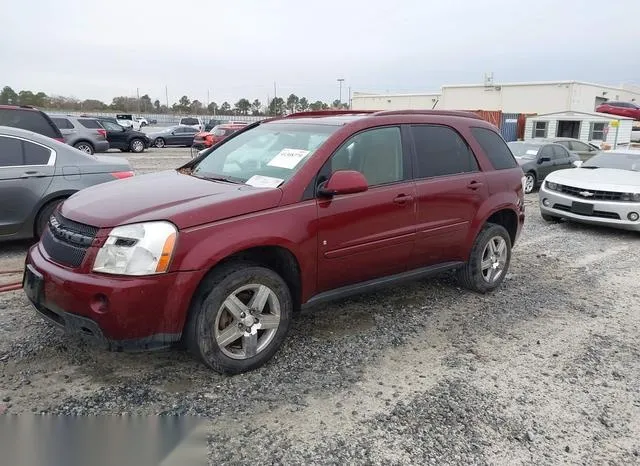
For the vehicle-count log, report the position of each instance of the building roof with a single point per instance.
(541, 83)
(415, 94)
(604, 116)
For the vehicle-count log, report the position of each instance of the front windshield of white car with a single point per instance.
(265, 156)
(620, 161)
(522, 150)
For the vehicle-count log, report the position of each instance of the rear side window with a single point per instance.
(495, 148)
(62, 123)
(441, 151)
(30, 120)
(188, 121)
(91, 124)
(35, 154)
(10, 152)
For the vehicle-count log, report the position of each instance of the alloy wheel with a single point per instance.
(494, 259)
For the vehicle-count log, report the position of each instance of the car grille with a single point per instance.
(596, 213)
(66, 241)
(596, 195)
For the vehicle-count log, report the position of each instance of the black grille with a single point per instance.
(596, 213)
(595, 195)
(67, 241)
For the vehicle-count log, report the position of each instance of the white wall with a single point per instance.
(394, 102)
(583, 96)
(624, 131)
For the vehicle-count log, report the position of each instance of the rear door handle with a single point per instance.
(403, 199)
(33, 175)
(475, 185)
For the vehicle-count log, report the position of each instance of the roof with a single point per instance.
(414, 94)
(30, 135)
(604, 116)
(540, 83)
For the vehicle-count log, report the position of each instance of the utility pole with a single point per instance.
(138, 92)
(340, 81)
(166, 94)
(349, 97)
(207, 99)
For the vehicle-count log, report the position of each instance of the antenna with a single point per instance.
(488, 79)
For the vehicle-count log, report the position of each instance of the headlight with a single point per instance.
(630, 197)
(137, 249)
(552, 186)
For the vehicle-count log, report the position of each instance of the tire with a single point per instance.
(136, 145)
(550, 218)
(530, 182)
(159, 143)
(84, 146)
(124, 150)
(43, 216)
(209, 318)
(482, 280)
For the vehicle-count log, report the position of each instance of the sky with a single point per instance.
(233, 49)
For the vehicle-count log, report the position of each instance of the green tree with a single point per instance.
(256, 107)
(303, 104)
(41, 100)
(276, 106)
(145, 103)
(225, 108)
(212, 108)
(243, 106)
(156, 106)
(93, 104)
(196, 107)
(26, 98)
(8, 96)
(184, 102)
(318, 105)
(292, 103)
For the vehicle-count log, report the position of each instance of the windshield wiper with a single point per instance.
(217, 178)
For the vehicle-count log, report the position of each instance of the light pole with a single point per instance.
(340, 81)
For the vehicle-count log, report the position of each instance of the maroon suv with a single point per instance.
(285, 213)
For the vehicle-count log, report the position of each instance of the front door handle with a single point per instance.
(403, 199)
(475, 185)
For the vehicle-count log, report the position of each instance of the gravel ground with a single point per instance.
(545, 370)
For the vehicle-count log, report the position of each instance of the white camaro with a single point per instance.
(604, 190)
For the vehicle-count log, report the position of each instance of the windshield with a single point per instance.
(266, 156)
(522, 150)
(612, 160)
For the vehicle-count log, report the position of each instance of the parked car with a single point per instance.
(283, 214)
(37, 173)
(153, 121)
(142, 122)
(583, 149)
(173, 136)
(213, 122)
(86, 134)
(194, 122)
(605, 190)
(635, 134)
(538, 158)
(125, 139)
(205, 139)
(29, 118)
(625, 109)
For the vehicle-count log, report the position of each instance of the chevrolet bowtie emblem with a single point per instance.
(585, 193)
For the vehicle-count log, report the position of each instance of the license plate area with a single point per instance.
(33, 283)
(582, 208)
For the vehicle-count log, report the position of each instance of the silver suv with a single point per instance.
(86, 134)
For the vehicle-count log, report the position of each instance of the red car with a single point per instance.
(625, 109)
(206, 139)
(285, 213)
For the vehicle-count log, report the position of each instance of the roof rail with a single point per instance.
(314, 113)
(27, 106)
(458, 113)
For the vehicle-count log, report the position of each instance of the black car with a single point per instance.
(173, 136)
(209, 126)
(539, 158)
(125, 139)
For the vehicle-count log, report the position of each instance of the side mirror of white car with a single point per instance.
(577, 163)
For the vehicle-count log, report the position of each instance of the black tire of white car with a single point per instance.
(203, 335)
(550, 218)
(471, 275)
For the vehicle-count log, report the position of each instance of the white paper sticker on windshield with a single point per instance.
(532, 152)
(288, 158)
(259, 181)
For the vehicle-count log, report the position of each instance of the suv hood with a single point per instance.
(599, 179)
(182, 199)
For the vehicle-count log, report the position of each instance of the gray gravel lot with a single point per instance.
(545, 370)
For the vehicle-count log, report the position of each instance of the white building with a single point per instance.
(528, 97)
(596, 128)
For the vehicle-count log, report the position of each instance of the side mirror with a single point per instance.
(577, 163)
(544, 159)
(343, 182)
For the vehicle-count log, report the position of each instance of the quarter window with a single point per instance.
(441, 151)
(540, 129)
(376, 153)
(35, 154)
(495, 148)
(596, 132)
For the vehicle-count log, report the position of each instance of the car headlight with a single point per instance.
(630, 197)
(137, 249)
(552, 186)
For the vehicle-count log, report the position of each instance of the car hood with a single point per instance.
(600, 179)
(182, 199)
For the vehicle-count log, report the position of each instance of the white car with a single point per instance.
(604, 190)
(194, 122)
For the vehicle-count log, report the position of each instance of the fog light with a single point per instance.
(633, 216)
(546, 202)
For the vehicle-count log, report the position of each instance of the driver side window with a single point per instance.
(376, 153)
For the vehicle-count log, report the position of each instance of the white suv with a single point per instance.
(194, 122)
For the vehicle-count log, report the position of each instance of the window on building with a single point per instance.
(441, 151)
(540, 129)
(596, 132)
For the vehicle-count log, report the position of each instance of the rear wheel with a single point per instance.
(530, 182)
(137, 145)
(84, 147)
(240, 319)
(489, 260)
(43, 216)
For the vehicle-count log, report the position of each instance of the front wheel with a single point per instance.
(43, 216)
(241, 320)
(489, 260)
(159, 143)
(550, 218)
